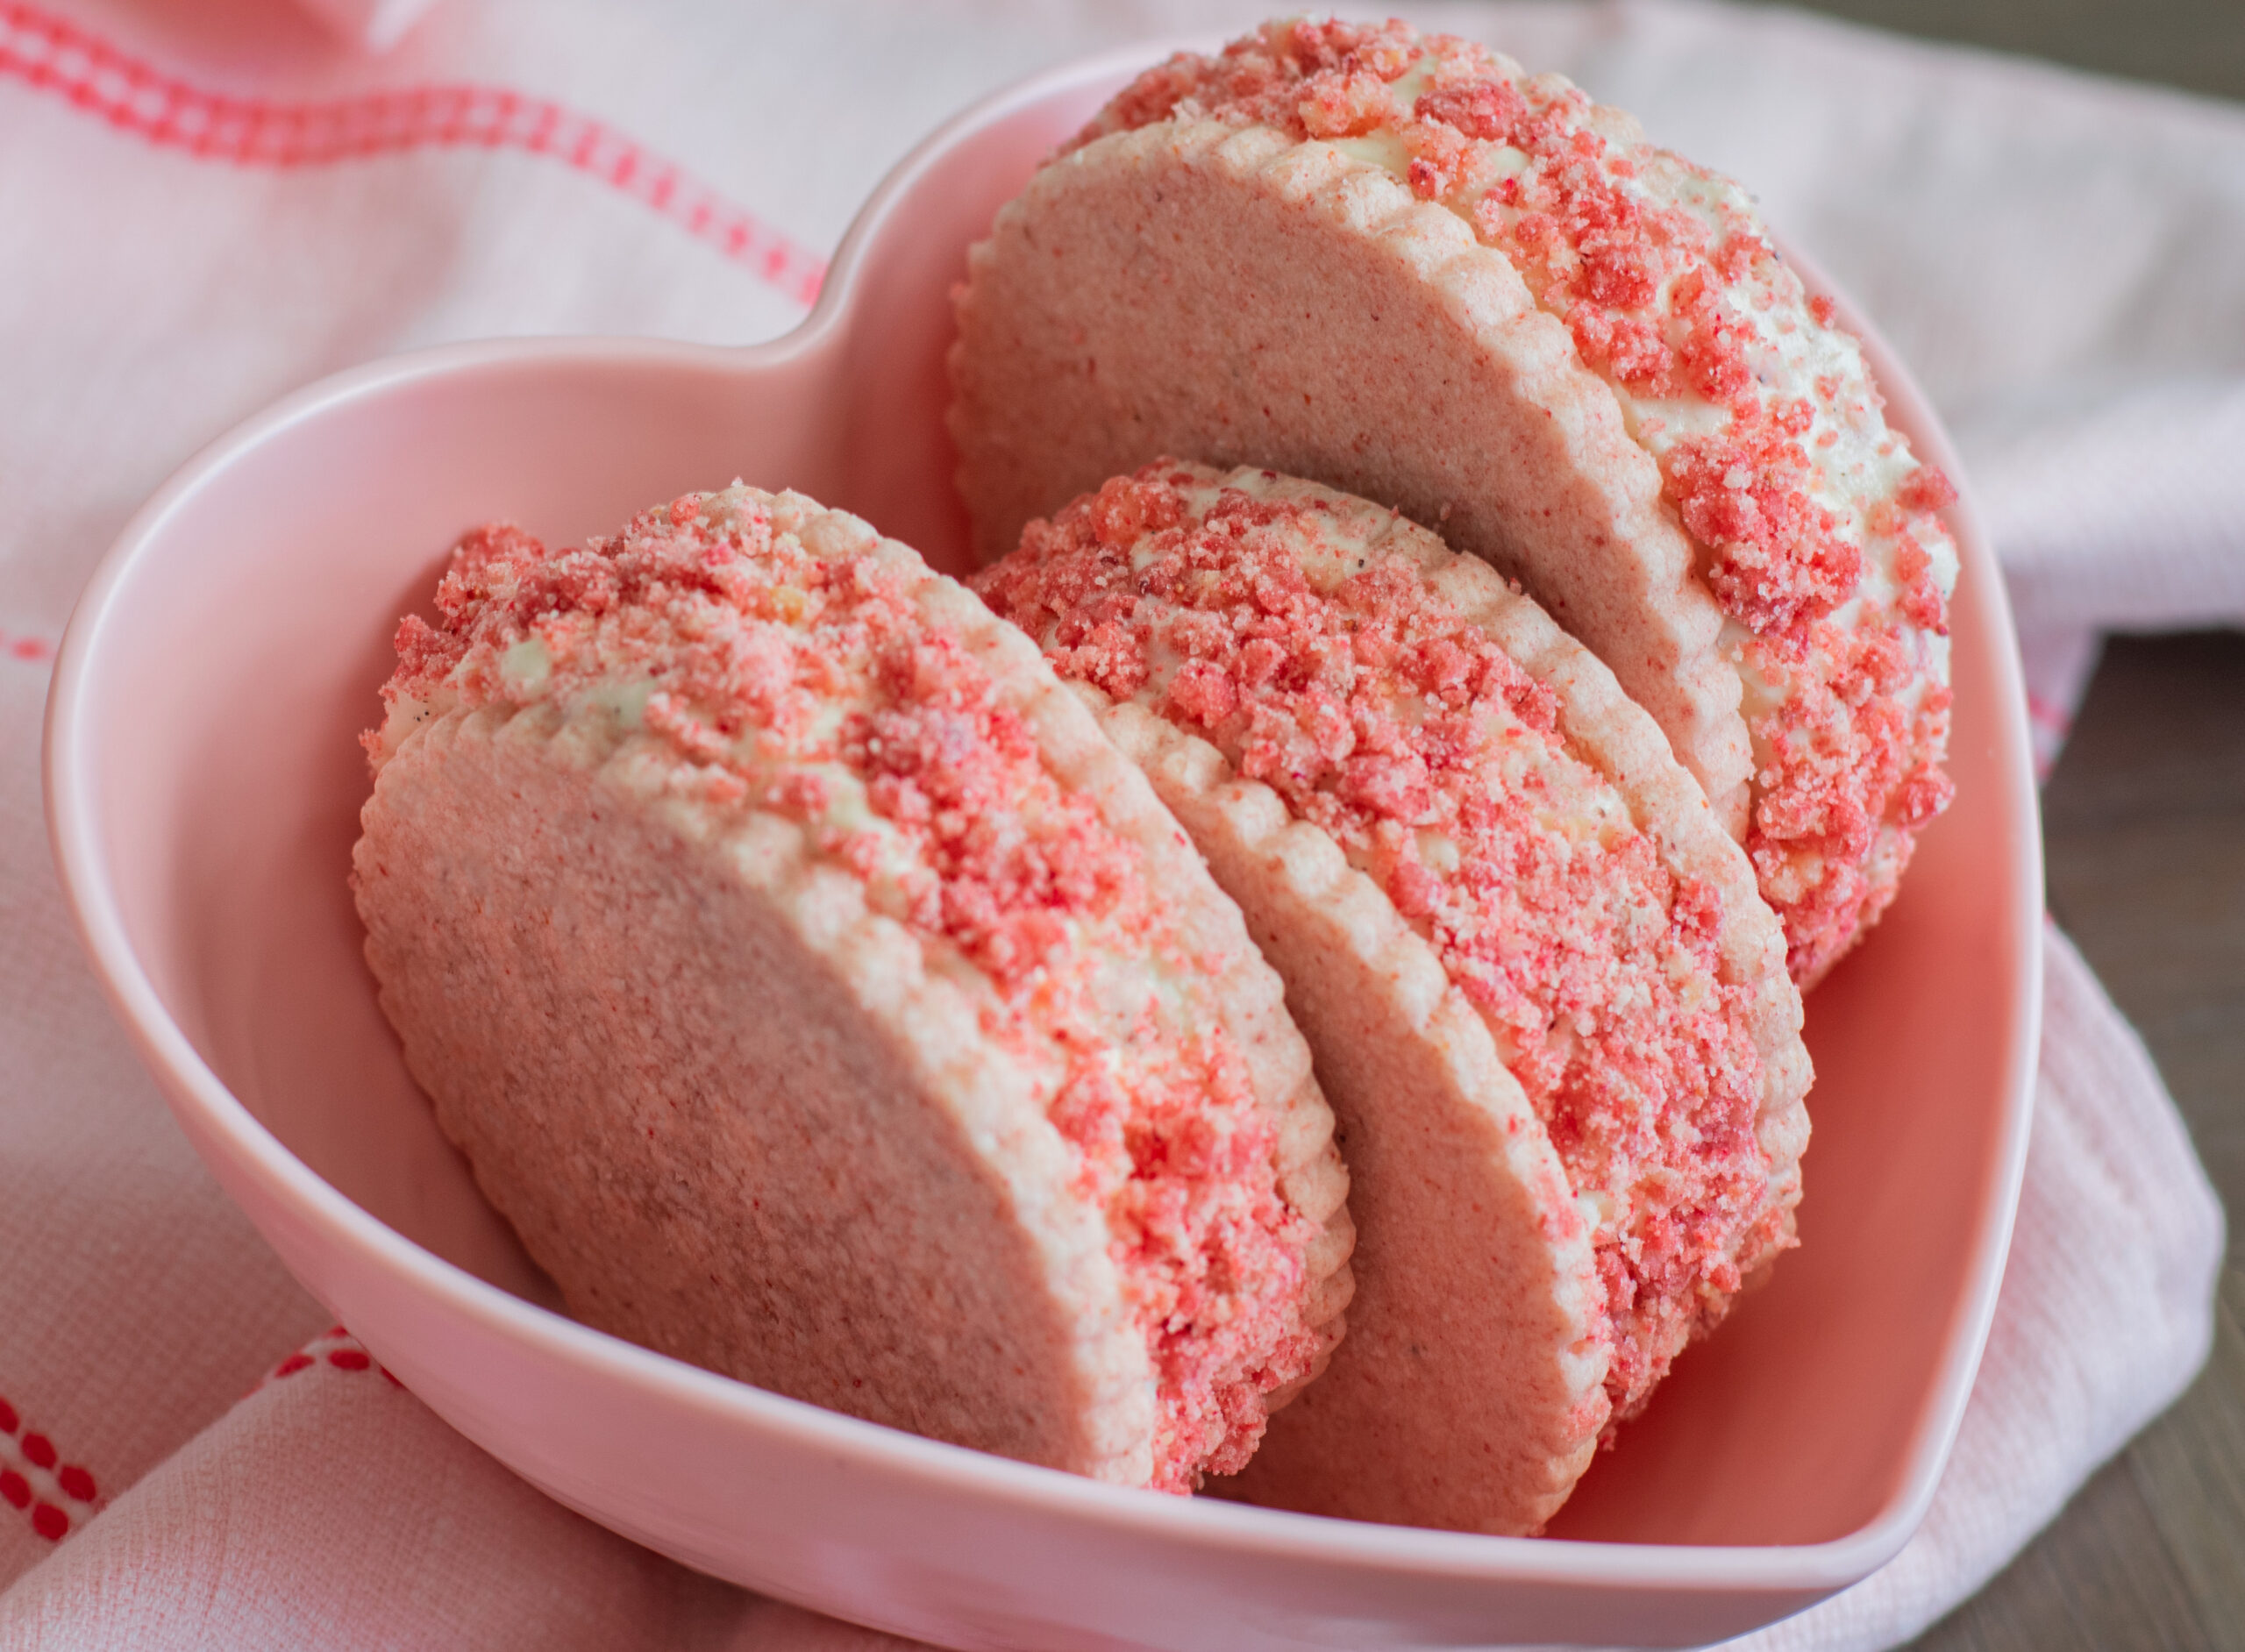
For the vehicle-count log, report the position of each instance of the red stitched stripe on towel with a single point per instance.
(31, 651)
(54, 55)
(339, 1349)
(55, 1495)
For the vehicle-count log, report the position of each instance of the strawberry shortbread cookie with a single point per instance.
(825, 1002)
(1399, 265)
(1550, 1011)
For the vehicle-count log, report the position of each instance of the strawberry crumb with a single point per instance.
(1333, 674)
(786, 676)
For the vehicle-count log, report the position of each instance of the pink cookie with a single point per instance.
(1401, 266)
(825, 1002)
(1550, 1010)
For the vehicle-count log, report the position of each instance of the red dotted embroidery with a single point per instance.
(338, 1348)
(50, 54)
(33, 651)
(2047, 726)
(33, 1479)
(2044, 715)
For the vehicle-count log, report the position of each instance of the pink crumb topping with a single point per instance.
(744, 638)
(1656, 297)
(1379, 714)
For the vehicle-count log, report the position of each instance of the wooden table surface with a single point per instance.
(2145, 826)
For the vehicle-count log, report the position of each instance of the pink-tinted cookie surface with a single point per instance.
(1341, 681)
(787, 663)
(1816, 531)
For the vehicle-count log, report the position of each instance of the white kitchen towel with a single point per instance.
(202, 206)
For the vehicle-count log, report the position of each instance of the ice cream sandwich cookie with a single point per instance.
(826, 1003)
(1546, 1004)
(1401, 266)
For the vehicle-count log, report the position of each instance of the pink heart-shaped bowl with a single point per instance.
(204, 780)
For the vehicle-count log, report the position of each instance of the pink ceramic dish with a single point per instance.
(203, 787)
